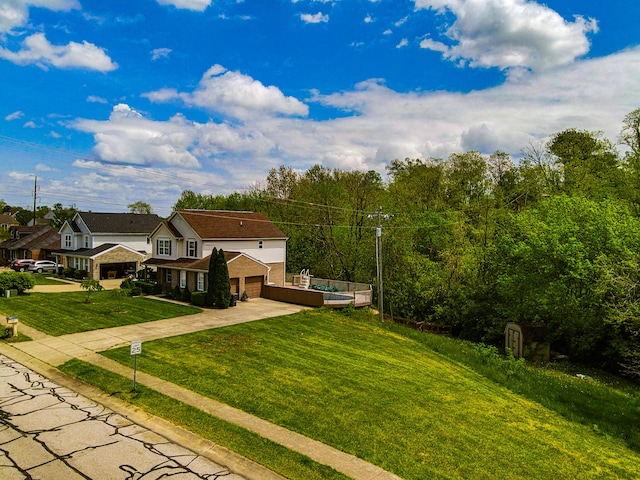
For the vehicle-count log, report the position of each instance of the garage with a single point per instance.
(253, 286)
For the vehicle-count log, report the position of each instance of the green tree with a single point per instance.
(61, 214)
(23, 217)
(140, 207)
(222, 291)
(554, 264)
(90, 286)
(589, 164)
(219, 285)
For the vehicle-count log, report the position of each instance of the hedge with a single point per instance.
(17, 281)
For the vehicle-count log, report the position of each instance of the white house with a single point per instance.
(106, 244)
(255, 249)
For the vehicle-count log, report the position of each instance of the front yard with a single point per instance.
(64, 313)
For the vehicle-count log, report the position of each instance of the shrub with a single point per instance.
(199, 299)
(127, 284)
(68, 272)
(17, 281)
(186, 295)
(80, 274)
(148, 288)
(176, 294)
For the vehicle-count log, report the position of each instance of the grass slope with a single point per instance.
(385, 397)
(64, 313)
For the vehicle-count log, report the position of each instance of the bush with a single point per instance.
(199, 299)
(176, 294)
(186, 295)
(127, 284)
(68, 272)
(17, 281)
(148, 288)
(80, 274)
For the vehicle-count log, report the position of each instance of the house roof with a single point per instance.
(93, 252)
(200, 264)
(6, 219)
(32, 237)
(47, 238)
(226, 224)
(140, 223)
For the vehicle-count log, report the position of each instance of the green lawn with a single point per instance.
(46, 279)
(63, 313)
(251, 445)
(383, 395)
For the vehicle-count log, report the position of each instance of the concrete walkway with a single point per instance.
(46, 351)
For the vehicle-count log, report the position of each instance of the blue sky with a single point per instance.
(112, 102)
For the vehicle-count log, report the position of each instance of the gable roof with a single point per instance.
(227, 224)
(199, 264)
(42, 236)
(94, 252)
(119, 222)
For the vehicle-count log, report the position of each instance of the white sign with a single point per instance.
(136, 347)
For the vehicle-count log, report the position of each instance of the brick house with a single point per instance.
(255, 250)
(37, 242)
(106, 245)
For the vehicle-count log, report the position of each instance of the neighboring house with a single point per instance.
(37, 242)
(255, 250)
(7, 221)
(106, 245)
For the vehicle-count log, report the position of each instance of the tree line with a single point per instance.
(476, 241)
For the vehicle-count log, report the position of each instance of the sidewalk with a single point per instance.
(45, 351)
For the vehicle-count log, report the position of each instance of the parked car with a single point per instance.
(40, 266)
(21, 265)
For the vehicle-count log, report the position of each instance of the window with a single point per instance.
(260, 244)
(164, 246)
(200, 286)
(168, 277)
(192, 248)
(86, 241)
(183, 278)
(67, 241)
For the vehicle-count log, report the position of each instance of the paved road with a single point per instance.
(49, 432)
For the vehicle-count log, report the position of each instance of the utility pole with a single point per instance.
(379, 265)
(35, 190)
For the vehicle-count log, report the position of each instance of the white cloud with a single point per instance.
(234, 94)
(95, 99)
(196, 5)
(41, 167)
(369, 19)
(159, 53)
(314, 18)
(509, 33)
(15, 13)
(403, 43)
(388, 31)
(127, 137)
(375, 126)
(401, 22)
(14, 116)
(30, 124)
(37, 50)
